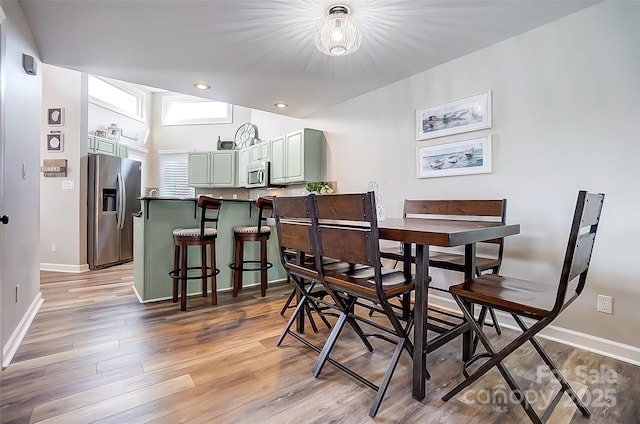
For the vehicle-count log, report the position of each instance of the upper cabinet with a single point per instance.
(212, 169)
(97, 144)
(297, 157)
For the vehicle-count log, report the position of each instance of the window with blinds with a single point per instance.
(174, 177)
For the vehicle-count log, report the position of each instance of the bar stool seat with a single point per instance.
(256, 233)
(203, 237)
(194, 232)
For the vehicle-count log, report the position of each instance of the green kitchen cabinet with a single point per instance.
(298, 157)
(212, 169)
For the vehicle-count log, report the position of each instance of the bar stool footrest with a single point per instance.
(175, 274)
(242, 268)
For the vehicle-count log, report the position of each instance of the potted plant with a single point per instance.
(320, 187)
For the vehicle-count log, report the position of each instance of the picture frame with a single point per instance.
(55, 142)
(464, 157)
(55, 116)
(463, 115)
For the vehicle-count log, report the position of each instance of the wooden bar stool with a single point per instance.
(259, 233)
(203, 237)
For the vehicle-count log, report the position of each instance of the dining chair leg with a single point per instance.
(291, 320)
(314, 327)
(288, 302)
(328, 346)
(555, 371)
(387, 378)
(496, 324)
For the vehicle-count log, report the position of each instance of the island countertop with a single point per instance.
(194, 199)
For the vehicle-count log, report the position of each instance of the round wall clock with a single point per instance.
(245, 134)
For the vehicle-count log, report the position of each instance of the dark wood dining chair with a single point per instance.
(540, 302)
(345, 228)
(490, 260)
(293, 227)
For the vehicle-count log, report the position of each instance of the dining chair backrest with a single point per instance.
(579, 247)
(209, 211)
(346, 227)
(293, 224)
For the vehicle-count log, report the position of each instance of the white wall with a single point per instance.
(63, 212)
(566, 102)
(21, 180)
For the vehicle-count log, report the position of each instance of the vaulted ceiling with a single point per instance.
(255, 53)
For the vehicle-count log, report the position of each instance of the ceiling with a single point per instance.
(255, 53)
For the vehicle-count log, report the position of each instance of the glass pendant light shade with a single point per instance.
(338, 33)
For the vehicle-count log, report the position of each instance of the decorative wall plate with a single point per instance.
(245, 134)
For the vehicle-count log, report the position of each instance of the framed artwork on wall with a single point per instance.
(55, 142)
(55, 116)
(459, 116)
(460, 158)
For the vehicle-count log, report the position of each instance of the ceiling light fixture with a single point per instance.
(202, 86)
(281, 105)
(338, 33)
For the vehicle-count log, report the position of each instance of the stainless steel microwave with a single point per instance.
(258, 174)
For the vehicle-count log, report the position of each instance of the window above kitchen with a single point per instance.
(187, 110)
(118, 96)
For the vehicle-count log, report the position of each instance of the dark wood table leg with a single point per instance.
(419, 330)
(469, 273)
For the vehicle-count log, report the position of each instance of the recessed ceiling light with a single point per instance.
(202, 86)
(281, 105)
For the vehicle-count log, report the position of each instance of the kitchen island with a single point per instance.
(153, 244)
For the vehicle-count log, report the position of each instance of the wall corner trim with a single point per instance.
(10, 349)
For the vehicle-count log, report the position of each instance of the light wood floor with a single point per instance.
(95, 354)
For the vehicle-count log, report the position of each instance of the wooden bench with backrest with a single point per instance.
(485, 210)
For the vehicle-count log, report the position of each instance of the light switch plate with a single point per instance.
(67, 185)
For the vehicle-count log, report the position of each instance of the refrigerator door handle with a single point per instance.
(121, 202)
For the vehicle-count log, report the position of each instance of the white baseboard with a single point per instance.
(610, 348)
(10, 349)
(198, 292)
(64, 267)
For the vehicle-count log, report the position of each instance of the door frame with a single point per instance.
(3, 17)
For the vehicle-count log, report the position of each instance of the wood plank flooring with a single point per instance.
(95, 354)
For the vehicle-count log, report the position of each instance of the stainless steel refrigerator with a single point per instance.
(113, 198)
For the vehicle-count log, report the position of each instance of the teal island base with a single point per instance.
(153, 245)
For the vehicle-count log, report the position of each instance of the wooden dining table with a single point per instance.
(424, 233)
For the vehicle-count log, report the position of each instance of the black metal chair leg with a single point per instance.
(288, 302)
(494, 319)
(291, 320)
(566, 387)
(387, 378)
(328, 346)
(314, 327)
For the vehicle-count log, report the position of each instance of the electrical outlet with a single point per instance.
(54, 247)
(605, 304)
